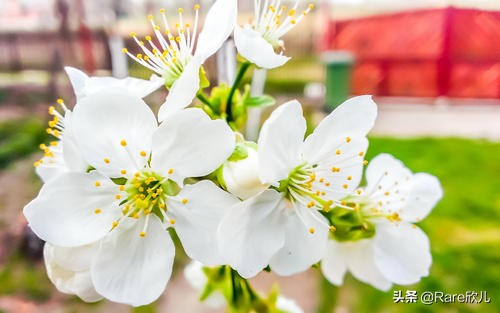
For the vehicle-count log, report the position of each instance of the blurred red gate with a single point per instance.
(427, 53)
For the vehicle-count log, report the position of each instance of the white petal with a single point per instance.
(85, 86)
(348, 166)
(253, 47)
(384, 170)
(132, 269)
(241, 177)
(280, 142)
(75, 259)
(219, 24)
(424, 192)
(288, 305)
(197, 220)
(402, 252)
(302, 248)
(191, 144)
(63, 213)
(66, 279)
(360, 260)
(333, 265)
(101, 121)
(252, 232)
(183, 91)
(354, 119)
(78, 80)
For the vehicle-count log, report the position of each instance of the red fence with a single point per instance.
(443, 52)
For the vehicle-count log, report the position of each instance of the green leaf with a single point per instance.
(260, 101)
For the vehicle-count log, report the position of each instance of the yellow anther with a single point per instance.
(133, 34)
(143, 154)
(184, 201)
(54, 143)
(141, 43)
(345, 186)
(97, 211)
(344, 203)
(148, 38)
(335, 169)
(136, 216)
(171, 171)
(318, 193)
(123, 143)
(97, 183)
(162, 10)
(348, 139)
(122, 188)
(362, 153)
(141, 189)
(55, 132)
(51, 110)
(187, 25)
(323, 193)
(156, 27)
(36, 164)
(172, 222)
(60, 101)
(178, 39)
(106, 160)
(327, 184)
(123, 172)
(293, 22)
(358, 192)
(162, 206)
(124, 50)
(114, 224)
(291, 13)
(337, 152)
(150, 17)
(386, 193)
(311, 6)
(137, 174)
(311, 204)
(139, 56)
(349, 177)
(312, 230)
(147, 212)
(365, 162)
(142, 234)
(321, 180)
(118, 197)
(332, 228)
(42, 146)
(180, 10)
(197, 7)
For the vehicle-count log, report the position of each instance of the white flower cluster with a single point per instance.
(120, 180)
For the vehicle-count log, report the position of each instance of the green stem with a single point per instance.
(201, 96)
(328, 297)
(241, 72)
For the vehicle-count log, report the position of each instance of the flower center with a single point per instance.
(274, 21)
(173, 49)
(303, 185)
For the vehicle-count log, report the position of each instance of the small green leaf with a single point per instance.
(258, 102)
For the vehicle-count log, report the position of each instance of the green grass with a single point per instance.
(19, 138)
(464, 228)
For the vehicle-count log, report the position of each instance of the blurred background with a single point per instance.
(433, 66)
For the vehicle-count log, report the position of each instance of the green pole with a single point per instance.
(338, 77)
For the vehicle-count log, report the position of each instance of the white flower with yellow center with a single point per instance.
(261, 42)
(135, 192)
(61, 155)
(69, 270)
(177, 53)
(282, 227)
(399, 251)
